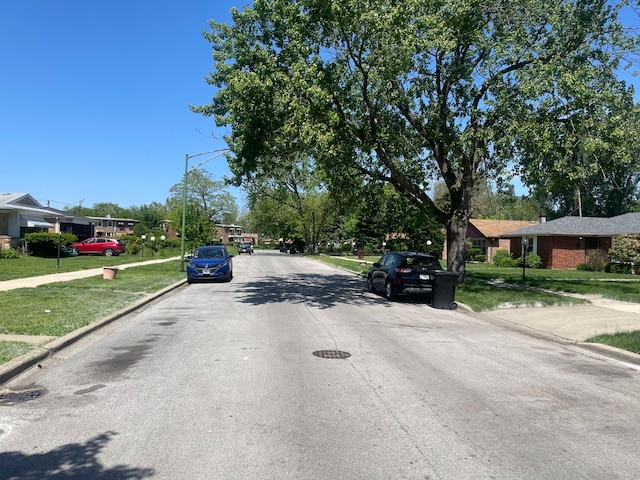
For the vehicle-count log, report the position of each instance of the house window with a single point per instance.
(591, 243)
(480, 243)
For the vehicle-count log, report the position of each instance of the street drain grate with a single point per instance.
(12, 398)
(332, 354)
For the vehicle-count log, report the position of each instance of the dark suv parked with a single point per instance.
(398, 273)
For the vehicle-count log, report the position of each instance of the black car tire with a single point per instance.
(76, 250)
(390, 291)
(370, 288)
(107, 252)
(230, 276)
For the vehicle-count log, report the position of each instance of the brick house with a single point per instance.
(563, 243)
(486, 234)
(113, 227)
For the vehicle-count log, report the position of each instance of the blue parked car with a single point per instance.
(210, 263)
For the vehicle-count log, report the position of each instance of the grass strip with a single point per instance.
(625, 340)
(9, 350)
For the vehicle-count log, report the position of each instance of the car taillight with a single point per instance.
(403, 270)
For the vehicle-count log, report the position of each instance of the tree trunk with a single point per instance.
(456, 245)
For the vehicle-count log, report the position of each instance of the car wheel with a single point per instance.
(230, 276)
(390, 291)
(370, 285)
(189, 281)
(77, 252)
(108, 252)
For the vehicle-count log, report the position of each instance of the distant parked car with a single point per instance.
(401, 273)
(99, 246)
(245, 247)
(210, 263)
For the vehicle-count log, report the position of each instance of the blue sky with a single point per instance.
(94, 98)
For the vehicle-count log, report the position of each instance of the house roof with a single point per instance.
(492, 228)
(23, 203)
(582, 226)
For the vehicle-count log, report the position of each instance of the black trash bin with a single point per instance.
(444, 290)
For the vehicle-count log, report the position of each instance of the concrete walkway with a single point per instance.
(32, 282)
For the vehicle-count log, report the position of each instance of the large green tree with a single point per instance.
(208, 202)
(291, 199)
(408, 92)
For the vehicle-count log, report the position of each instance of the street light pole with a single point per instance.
(216, 153)
(525, 243)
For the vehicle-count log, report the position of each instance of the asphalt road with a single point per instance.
(220, 381)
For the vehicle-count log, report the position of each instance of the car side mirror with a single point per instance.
(376, 264)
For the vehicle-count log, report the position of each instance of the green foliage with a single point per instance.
(626, 249)
(533, 260)
(43, 244)
(622, 268)
(412, 93)
(9, 253)
(473, 253)
(503, 258)
(596, 261)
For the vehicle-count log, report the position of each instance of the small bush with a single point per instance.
(481, 258)
(472, 253)
(533, 261)
(502, 258)
(615, 267)
(9, 253)
(582, 267)
(596, 260)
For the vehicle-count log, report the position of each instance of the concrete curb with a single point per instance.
(19, 364)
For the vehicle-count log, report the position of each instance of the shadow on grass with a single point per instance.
(73, 460)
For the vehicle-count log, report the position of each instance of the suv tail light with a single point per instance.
(404, 270)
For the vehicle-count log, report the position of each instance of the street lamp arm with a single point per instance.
(216, 153)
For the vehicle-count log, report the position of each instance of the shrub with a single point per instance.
(615, 267)
(9, 253)
(481, 258)
(596, 260)
(361, 253)
(43, 244)
(473, 253)
(533, 261)
(502, 258)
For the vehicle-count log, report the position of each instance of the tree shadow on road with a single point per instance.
(70, 461)
(322, 291)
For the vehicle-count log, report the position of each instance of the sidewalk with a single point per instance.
(31, 282)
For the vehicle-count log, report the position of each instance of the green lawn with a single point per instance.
(56, 309)
(28, 266)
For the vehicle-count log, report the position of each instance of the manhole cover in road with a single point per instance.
(11, 398)
(331, 354)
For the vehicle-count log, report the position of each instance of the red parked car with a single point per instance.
(99, 246)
